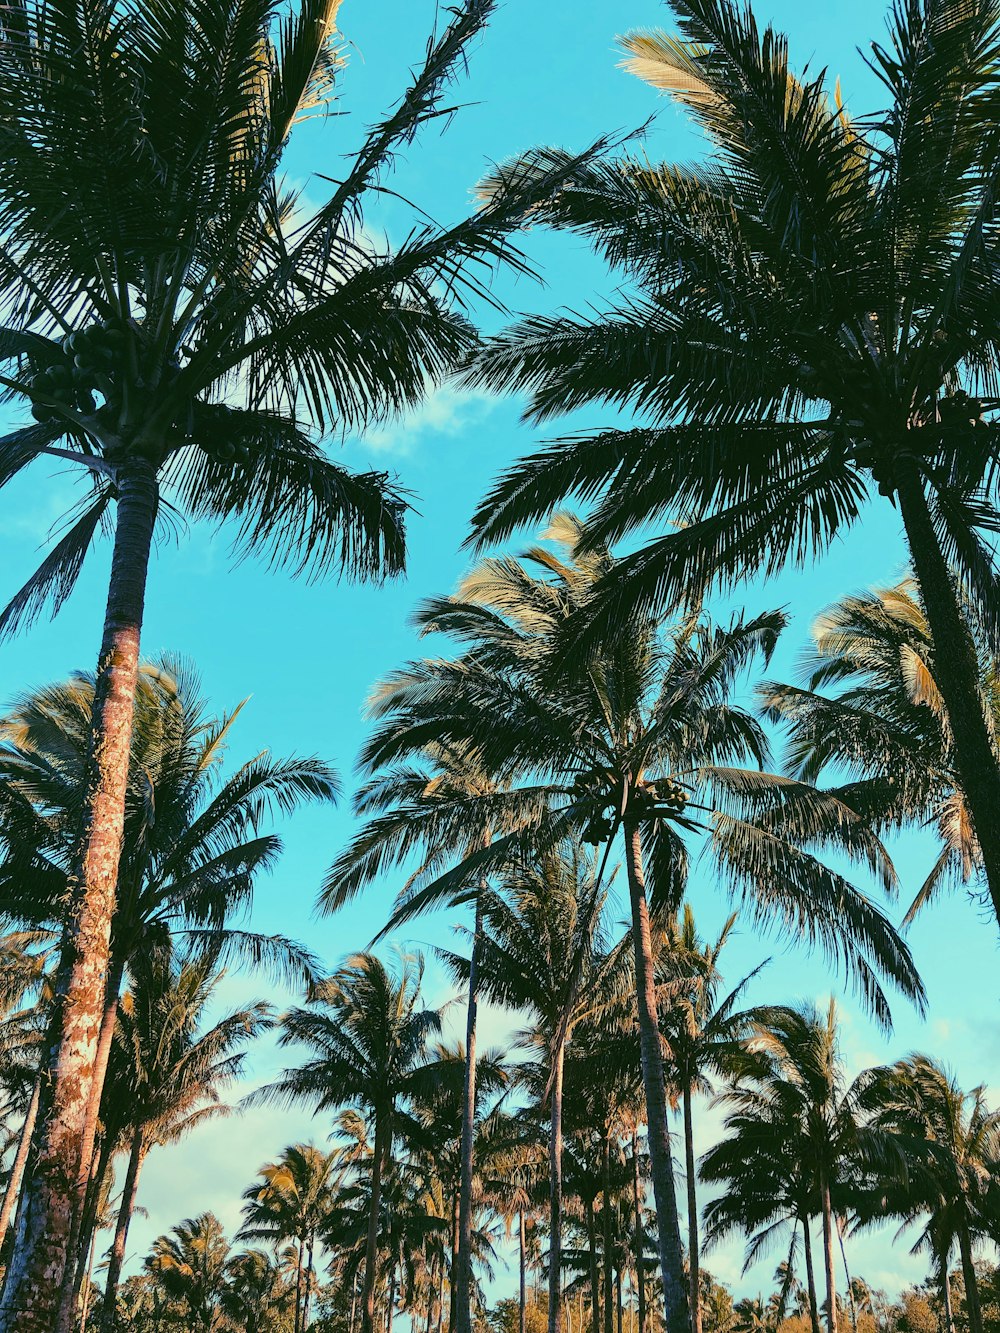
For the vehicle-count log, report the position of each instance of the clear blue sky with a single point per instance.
(545, 72)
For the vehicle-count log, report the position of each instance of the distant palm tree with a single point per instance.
(367, 1034)
(871, 707)
(810, 311)
(257, 1298)
(181, 324)
(620, 739)
(190, 1266)
(949, 1141)
(542, 950)
(168, 1075)
(294, 1201)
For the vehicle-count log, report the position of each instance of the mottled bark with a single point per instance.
(694, 1242)
(640, 1238)
(661, 1164)
(555, 1189)
(956, 671)
(36, 1298)
(13, 1189)
(462, 1277)
(130, 1188)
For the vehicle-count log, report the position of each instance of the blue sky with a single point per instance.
(307, 655)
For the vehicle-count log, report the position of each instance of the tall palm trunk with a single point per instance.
(661, 1165)
(456, 1204)
(694, 1243)
(555, 1188)
(125, 1211)
(379, 1152)
(828, 1260)
(92, 1203)
(973, 1308)
(35, 1296)
(307, 1298)
(851, 1302)
(299, 1274)
(609, 1235)
(956, 672)
(462, 1279)
(640, 1238)
(949, 1316)
(13, 1189)
(522, 1292)
(595, 1293)
(810, 1276)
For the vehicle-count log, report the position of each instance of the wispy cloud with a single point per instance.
(446, 411)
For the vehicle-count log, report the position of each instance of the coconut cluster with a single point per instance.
(87, 365)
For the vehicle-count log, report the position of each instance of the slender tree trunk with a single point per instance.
(441, 1275)
(810, 1276)
(618, 1299)
(522, 1293)
(661, 1165)
(694, 1244)
(555, 1189)
(129, 1190)
(973, 1308)
(92, 1203)
(390, 1302)
(34, 1295)
(456, 1207)
(12, 1191)
(640, 1237)
(462, 1277)
(828, 1261)
(307, 1298)
(595, 1294)
(354, 1301)
(374, 1215)
(949, 1314)
(955, 671)
(89, 1288)
(852, 1303)
(299, 1275)
(608, 1228)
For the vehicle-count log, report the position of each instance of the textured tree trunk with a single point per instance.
(595, 1293)
(694, 1244)
(949, 1314)
(973, 1308)
(828, 1261)
(607, 1218)
(955, 671)
(661, 1165)
(522, 1294)
(92, 1204)
(810, 1276)
(640, 1238)
(555, 1189)
(374, 1212)
(17, 1166)
(129, 1190)
(462, 1278)
(851, 1302)
(34, 1296)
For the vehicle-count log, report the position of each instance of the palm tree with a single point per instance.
(169, 1075)
(193, 842)
(542, 950)
(811, 311)
(257, 1295)
(950, 1142)
(189, 1265)
(294, 1202)
(886, 724)
(706, 1036)
(179, 329)
(622, 737)
(367, 1034)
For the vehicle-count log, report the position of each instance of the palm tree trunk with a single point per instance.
(694, 1246)
(618, 1300)
(973, 1308)
(828, 1261)
(609, 1235)
(955, 671)
(441, 1275)
(88, 1290)
(88, 1227)
(462, 1278)
(555, 1189)
(374, 1216)
(456, 1205)
(810, 1276)
(390, 1302)
(35, 1296)
(678, 1318)
(354, 1301)
(522, 1294)
(640, 1239)
(949, 1314)
(17, 1166)
(595, 1294)
(852, 1303)
(307, 1298)
(299, 1273)
(125, 1211)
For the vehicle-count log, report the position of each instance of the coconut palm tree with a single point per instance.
(622, 738)
(182, 325)
(543, 950)
(870, 706)
(189, 1265)
(367, 1033)
(950, 1142)
(169, 1075)
(809, 314)
(257, 1297)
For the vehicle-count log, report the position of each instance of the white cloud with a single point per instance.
(445, 410)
